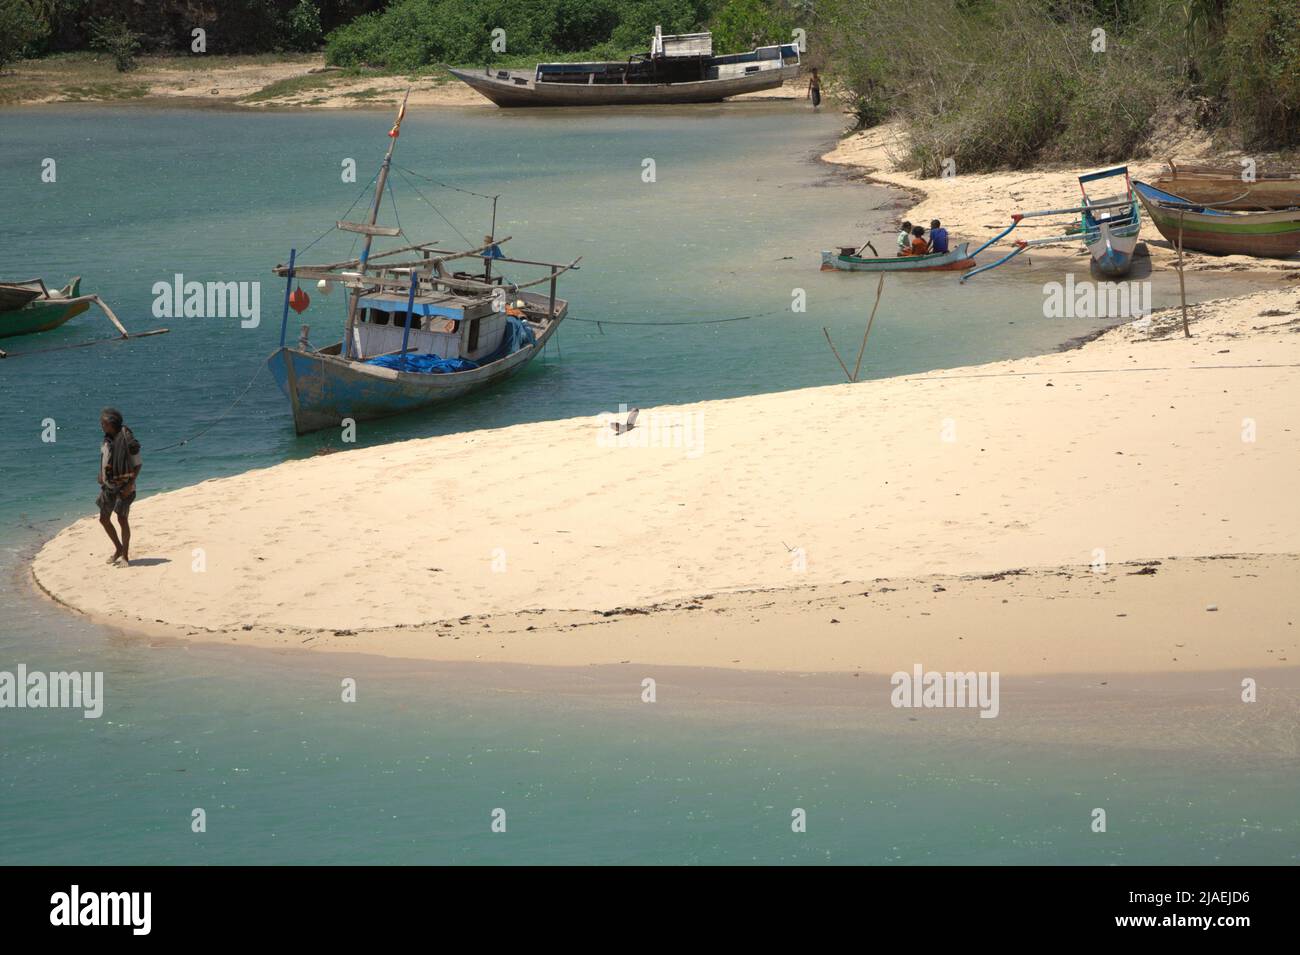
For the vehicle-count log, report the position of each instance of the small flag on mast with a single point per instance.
(397, 126)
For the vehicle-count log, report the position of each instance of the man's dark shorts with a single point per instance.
(110, 501)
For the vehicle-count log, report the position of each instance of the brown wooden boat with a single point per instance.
(1224, 188)
(678, 69)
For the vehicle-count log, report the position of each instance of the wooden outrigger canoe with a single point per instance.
(1107, 227)
(845, 261)
(1273, 234)
(29, 307)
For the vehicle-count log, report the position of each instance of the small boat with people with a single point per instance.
(916, 253)
(1203, 227)
(678, 69)
(847, 259)
(1108, 227)
(424, 324)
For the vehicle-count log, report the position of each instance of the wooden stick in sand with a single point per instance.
(836, 353)
(853, 377)
(880, 287)
(1182, 288)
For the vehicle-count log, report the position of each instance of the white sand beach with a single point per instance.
(1137, 446)
(848, 527)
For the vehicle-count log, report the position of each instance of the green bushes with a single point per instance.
(1260, 69)
(116, 39)
(300, 28)
(21, 25)
(411, 34)
(992, 83)
(742, 25)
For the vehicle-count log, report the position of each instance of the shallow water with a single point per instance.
(411, 772)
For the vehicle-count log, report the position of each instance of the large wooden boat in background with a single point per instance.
(1269, 234)
(1224, 188)
(417, 332)
(678, 69)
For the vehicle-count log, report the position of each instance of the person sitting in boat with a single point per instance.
(938, 237)
(919, 246)
(905, 239)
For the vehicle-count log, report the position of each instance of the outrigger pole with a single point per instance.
(1023, 245)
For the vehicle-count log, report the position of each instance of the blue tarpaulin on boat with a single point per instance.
(423, 364)
(517, 335)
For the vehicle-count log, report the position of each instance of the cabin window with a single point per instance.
(473, 335)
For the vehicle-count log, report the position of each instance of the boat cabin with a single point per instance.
(686, 58)
(444, 322)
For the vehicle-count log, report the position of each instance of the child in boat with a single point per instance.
(919, 245)
(938, 237)
(905, 239)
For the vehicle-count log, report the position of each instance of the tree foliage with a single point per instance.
(22, 24)
(1010, 82)
(410, 34)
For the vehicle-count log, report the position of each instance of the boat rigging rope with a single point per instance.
(416, 190)
(217, 420)
(443, 184)
(345, 214)
(598, 322)
(398, 219)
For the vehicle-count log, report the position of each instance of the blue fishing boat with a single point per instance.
(1108, 228)
(418, 332)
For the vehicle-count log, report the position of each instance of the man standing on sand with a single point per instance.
(119, 466)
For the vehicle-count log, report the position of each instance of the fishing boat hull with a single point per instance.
(324, 388)
(518, 88)
(1112, 250)
(956, 258)
(41, 314)
(1273, 234)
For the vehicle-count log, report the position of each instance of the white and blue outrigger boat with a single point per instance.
(1108, 227)
(417, 332)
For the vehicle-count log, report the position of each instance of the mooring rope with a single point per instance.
(218, 420)
(598, 322)
(443, 184)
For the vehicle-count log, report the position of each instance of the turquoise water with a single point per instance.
(731, 227)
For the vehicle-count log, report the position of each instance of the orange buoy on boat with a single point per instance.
(298, 301)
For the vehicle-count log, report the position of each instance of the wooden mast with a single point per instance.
(394, 133)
